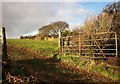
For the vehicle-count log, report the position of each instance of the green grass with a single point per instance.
(47, 47)
(94, 67)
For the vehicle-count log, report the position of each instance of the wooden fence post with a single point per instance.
(3, 41)
(6, 63)
(59, 42)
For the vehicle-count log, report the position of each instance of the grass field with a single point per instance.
(48, 48)
(40, 68)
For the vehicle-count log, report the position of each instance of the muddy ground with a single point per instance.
(29, 66)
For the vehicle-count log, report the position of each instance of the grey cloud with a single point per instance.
(60, 0)
(0, 14)
(23, 17)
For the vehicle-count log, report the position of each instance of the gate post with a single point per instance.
(3, 41)
(59, 42)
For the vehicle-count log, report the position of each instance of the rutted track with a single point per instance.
(82, 75)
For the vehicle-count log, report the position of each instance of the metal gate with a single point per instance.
(100, 45)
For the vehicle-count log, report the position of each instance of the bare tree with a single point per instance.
(110, 8)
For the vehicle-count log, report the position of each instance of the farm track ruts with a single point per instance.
(46, 76)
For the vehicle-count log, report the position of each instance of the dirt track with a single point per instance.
(38, 68)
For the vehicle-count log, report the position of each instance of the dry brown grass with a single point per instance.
(102, 23)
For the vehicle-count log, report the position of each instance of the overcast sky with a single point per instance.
(21, 18)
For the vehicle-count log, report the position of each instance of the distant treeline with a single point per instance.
(27, 37)
(38, 37)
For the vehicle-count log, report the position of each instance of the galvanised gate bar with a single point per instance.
(98, 45)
